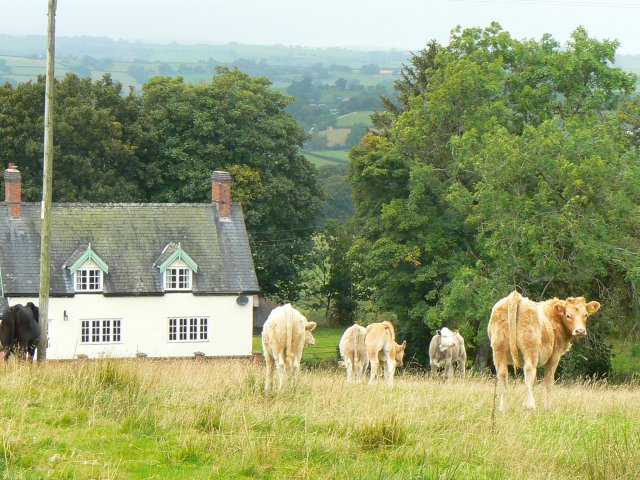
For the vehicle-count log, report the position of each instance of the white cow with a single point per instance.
(354, 352)
(447, 347)
(284, 335)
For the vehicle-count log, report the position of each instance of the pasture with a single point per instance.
(350, 119)
(326, 157)
(197, 419)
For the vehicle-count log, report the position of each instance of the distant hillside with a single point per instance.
(127, 51)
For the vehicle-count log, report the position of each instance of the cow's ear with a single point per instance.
(437, 332)
(560, 307)
(310, 326)
(592, 307)
(455, 332)
(404, 344)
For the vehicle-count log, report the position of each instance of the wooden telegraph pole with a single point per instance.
(47, 185)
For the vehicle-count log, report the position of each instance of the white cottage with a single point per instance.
(163, 280)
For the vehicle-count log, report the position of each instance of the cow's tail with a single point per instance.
(288, 349)
(512, 320)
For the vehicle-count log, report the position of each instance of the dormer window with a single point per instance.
(177, 268)
(87, 270)
(88, 280)
(177, 278)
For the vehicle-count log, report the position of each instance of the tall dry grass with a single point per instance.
(211, 419)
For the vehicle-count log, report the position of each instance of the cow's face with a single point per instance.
(308, 336)
(446, 339)
(575, 311)
(400, 349)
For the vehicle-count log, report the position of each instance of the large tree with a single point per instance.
(503, 166)
(162, 146)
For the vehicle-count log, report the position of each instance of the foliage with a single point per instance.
(328, 283)
(338, 204)
(504, 165)
(163, 145)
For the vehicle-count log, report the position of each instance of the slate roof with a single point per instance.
(129, 238)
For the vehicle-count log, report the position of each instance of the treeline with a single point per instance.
(163, 144)
(503, 164)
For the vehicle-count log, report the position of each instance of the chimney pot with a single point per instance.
(221, 193)
(13, 190)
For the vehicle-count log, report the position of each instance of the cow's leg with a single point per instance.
(502, 375)
(462, 364)
(530, 366)
(549, 378)
(32, 351)
(363, 363)
(448, 369)
(295, 367)
(390, 370)
(434, 370)
(349, 364)
(375, 364)
(281, 368)
(270, 364)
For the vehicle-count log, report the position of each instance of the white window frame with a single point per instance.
(82, 280)
(177, 278)
(100, 331)
(188, 329)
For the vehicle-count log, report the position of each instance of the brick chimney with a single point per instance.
(221, 193)
(13, 190)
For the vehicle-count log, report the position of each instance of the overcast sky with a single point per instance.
(402, 24)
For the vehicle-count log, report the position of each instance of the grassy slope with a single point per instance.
(326, 157)
(211, 419)
(352, 118)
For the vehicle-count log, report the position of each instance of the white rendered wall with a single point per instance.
(145, 325)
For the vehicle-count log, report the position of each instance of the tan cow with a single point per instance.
(528, 334)
(380, 342)
(284, 335)
(353, 352)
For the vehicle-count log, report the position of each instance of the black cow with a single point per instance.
(20, 330)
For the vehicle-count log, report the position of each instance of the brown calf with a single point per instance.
(380, 342)
(530, 334)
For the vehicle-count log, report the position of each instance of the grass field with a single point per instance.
(326, 157)
(204, 419)
(351, 119)
(625, 357)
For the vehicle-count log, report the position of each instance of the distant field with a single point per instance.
(326, 157)
(336, 136)
(356, 117)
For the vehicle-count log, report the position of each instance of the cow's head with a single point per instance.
(399, 356)
(447, 339)
(574, 312)
(308, 336)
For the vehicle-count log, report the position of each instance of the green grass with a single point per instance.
(326, 157)
(357, 117)
(202, 419)
(625, 357)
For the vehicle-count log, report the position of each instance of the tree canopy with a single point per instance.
(505, 164)
(162, 146)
